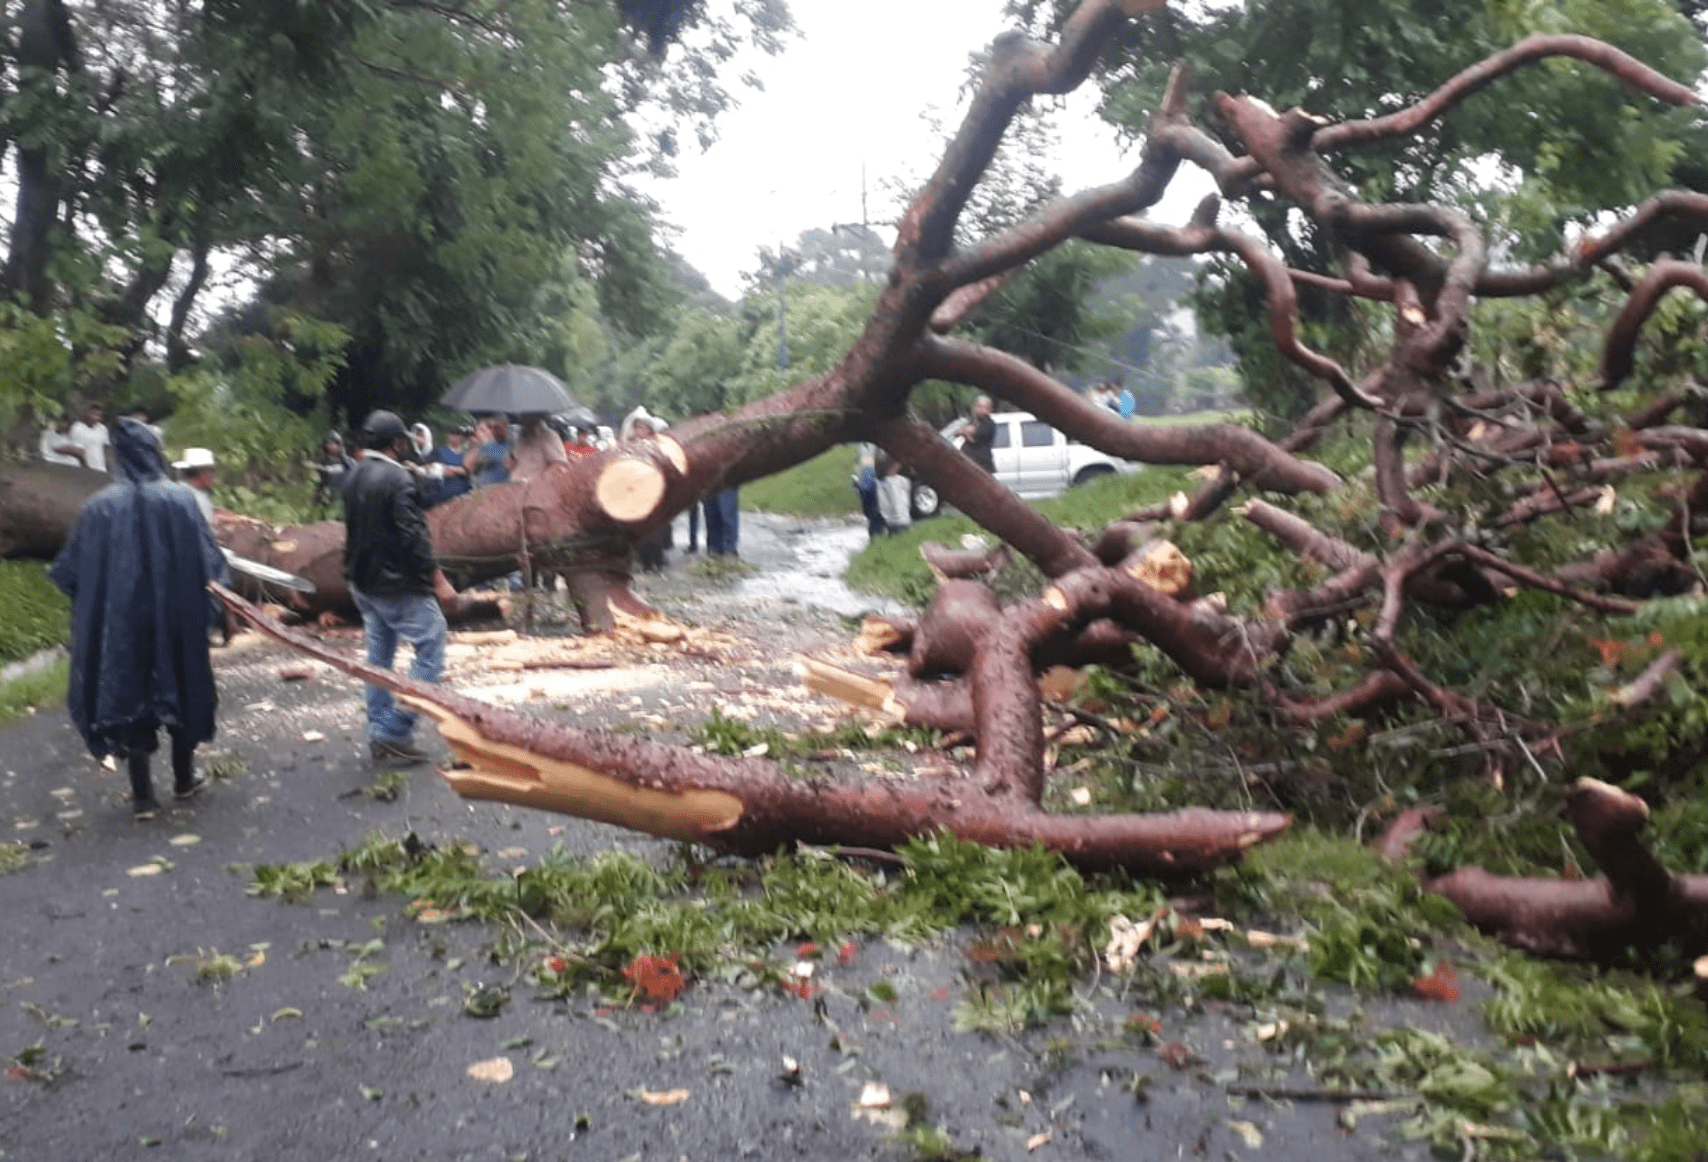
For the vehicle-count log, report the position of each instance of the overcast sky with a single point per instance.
(849, 100)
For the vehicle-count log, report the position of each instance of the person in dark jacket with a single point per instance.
(388, 561)
(136, 567)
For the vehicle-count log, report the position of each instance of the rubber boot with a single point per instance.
(143, 805)
(186, 780)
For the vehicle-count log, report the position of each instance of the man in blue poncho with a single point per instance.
(136, 567)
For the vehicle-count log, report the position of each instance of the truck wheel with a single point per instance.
(1091, 472)
(925, 502)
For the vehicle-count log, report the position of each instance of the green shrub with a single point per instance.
(37, 614)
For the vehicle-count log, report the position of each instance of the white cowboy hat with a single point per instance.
(195, 458)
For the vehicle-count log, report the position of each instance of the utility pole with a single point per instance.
(782, 317)
(782, 264)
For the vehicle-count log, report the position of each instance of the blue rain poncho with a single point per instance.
(136, 567)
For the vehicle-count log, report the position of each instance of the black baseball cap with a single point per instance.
(381, 428)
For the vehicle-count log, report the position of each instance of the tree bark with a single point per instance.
(751, 807)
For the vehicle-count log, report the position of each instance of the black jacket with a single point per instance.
(388, 551)
(136, 567)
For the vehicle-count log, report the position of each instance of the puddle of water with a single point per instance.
(806, 566)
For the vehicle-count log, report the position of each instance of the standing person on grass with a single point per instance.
(388, 562)
(136, 567)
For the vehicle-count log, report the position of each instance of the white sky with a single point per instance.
(855, 90)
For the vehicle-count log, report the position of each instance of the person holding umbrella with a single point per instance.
(490, 461)
(388, 562)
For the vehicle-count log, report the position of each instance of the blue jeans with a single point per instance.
(723, 522)
(416, 619)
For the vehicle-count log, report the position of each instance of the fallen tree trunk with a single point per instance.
(751, 807)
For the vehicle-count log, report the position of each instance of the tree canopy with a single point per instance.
(437, 181)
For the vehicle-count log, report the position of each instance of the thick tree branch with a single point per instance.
(1018, 381)
(1626, 68)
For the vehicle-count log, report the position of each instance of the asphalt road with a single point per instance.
(116, 1049)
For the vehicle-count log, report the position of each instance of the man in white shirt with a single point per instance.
(90, 433)
(56, 444)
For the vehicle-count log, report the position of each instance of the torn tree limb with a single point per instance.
(1637, 904)
(752, 807)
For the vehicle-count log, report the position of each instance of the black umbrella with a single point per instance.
(509, 388)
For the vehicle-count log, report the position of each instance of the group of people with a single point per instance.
(491, 451)
(886, 491)
(136, 567)
(85, 441)
(140, 555)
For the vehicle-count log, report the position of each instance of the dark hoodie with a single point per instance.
(136, 567)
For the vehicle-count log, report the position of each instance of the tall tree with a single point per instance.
(428, 176)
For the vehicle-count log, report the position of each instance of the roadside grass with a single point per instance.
(34, 691)
(37, 613)
(820, 487)
(1189, 419)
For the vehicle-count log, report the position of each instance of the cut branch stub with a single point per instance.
(630, 489)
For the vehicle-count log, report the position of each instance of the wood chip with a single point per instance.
(497, 1070)
(875, 1095)
(664, 1097)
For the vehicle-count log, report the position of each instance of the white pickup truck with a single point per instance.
(1033, 459)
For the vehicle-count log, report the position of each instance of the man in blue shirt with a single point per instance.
(449, 478)
(489, 462)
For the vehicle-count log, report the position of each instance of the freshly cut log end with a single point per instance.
(873, 694)
(1700, 971)
(675, 453)
(1162, 566)
(630, 488)
(948, 564)
(1608, 804)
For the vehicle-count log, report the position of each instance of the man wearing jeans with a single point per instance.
(388, 561)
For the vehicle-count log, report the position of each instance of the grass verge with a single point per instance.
(32, 692)
(37, 613)
(818, 488)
